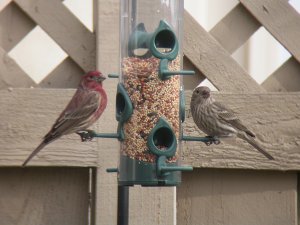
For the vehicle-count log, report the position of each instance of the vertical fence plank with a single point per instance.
(234, 197)
(43, 196)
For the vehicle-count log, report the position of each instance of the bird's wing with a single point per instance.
(77, 113)
(228, 116)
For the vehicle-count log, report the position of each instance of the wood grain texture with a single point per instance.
(11, 75)
(14, 25)
(274, 117)
(26, 116)
(66, 75)
(192, 81)
(285, 78)
(107, 30)
(235, 197)
(235, 28)
(152, 205)
(60, 24)
(280, 19)
(213, 60)
(44, 196)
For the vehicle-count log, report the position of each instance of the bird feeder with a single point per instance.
(149, 100)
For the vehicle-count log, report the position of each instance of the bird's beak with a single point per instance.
(206, 94)
(100, 79)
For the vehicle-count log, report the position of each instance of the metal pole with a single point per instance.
(123, 205)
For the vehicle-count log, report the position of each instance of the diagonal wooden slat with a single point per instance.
(64, 28)
(235, 28)
(66, 75)
(213, 60)
(190, 81)
(285, 78)
(4, 3)
(11, 75)
(14, 25)
(280, 19)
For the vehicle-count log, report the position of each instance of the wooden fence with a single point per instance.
(231, 183)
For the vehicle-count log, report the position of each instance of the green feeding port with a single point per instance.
(162, 139)
(162, 43)
(165, 40)
(124, 106)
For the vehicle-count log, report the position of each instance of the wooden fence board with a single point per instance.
(44, 196)
(235, 197)
(280, 19)
(4, 3)
(11, 75)
(213, 60)
(66, 75)
(59, 23)
(107, 30)
(31, 112)
(27, 118)
(14, 25)
(285, 78)
(152, 205)
(274, 117)
(235, 28)
(194, 80)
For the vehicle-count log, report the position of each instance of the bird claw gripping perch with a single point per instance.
(86, 135)
(212, 140)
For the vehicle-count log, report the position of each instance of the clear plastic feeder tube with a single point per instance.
(148, 100)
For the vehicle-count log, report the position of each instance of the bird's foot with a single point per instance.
(86, 135)
(212, 140)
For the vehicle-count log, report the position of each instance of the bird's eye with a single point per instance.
(197, 91)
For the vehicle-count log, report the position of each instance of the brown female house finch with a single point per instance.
(217, 121)
(86, 106)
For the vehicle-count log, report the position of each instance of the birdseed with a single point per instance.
(152, 98)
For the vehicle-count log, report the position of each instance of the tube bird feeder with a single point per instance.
(149, 100)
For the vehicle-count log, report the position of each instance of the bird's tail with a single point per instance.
(254, 143)
(36, 151)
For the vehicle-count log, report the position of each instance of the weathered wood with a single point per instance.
(285, 78)
(235, 28)
(234, 197)
(66, 75)
(213, 60)
(26, 116)
(72, 36)
(44, 196)
(11, 75)
(191, 81)
(14, 25)
(152, 205)
(4, 3)
(274, 117)
(107, 29)
(280, 19)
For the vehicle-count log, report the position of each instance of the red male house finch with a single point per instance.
(218, 121)
(86, 106)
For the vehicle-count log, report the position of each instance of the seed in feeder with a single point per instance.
(152, 98)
